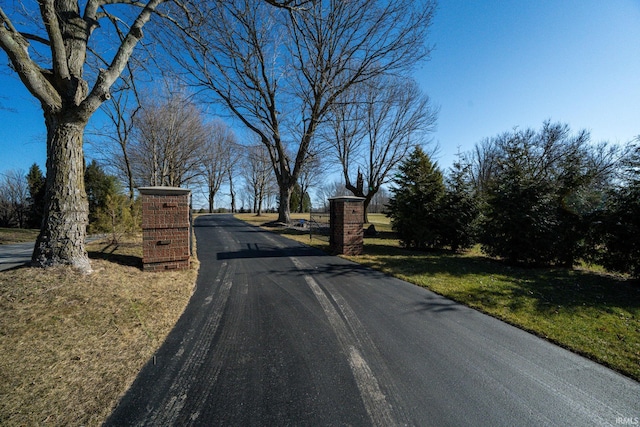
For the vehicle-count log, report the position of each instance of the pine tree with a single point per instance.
(459, 210)
(99, 186)
(518, 220)
(299, 202)
(36, 182)
(620, 225)
(414, 207)
(543, 187)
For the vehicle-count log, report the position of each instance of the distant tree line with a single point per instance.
(282, 68)
(22, 198)
(110, 209)
(543, 197)
(168, 140)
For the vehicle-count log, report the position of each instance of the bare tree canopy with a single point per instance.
(373, 127)
(219, 152)
(114, 138)
(280, 69)
(258, 175)
(170, 137)
(14, 199)
(53, 69)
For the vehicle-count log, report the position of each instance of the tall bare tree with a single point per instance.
(218, 153)
(53, 70)
(14, 198)
(170, 137)
(311, 175)
(278, 69)
(373, 128)
(258, 175)
(114, 138)
(235, 156)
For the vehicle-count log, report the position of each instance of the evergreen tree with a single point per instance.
(518, 217)
(620, 225)
(414, 207)
(459, 210)
(99, 186)
(540, 194)
(575, 198)
(36, 182)
(117, 216)
(298, 202)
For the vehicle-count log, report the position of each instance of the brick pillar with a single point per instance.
(165, 228)
(346, 234)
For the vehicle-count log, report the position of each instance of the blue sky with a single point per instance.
(501, 64)
(495, 65)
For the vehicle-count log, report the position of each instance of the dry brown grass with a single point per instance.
(72, 344)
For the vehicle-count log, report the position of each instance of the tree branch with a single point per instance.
(106, 78)
(33, 77)
(36, 38)
(58, 50)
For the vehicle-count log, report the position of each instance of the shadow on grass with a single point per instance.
(118, 254)
(289, 231)
(491, 282)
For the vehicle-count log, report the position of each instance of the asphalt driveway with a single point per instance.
(277, 333)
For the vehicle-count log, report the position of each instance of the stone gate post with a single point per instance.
(346, 225)
(166, 227)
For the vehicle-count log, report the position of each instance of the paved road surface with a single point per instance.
(15, 255)
(279, 334)
(19, 254)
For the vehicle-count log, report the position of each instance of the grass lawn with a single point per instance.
(584, 310)
(17, 235)
(72, 344)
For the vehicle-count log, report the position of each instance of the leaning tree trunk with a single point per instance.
(66, 214)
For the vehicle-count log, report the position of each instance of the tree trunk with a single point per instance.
(66, 214)
(260, 197)
(212, 197)
(359, 192)
(302, 192)
(232, 193)
(365, 207)
(284, 213)
(255, 202)
(132, 195)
